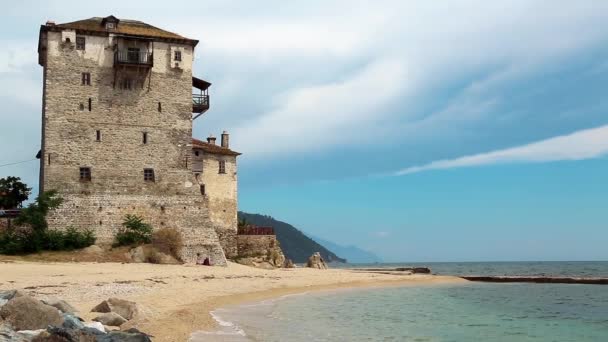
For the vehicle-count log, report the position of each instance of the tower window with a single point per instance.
(149, 175)
(178, 56)
(85, 174)
(80, 43)
(90, 104)
(145, 137)
(196, 153)
(222, 165)
(86, 78)
(81, 106)
(160, 107)
(110, 26)
(98, 135)
(202, 186)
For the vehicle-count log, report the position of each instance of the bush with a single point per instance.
(134, 232)
(168, 241)
(69, 239)
(22, 241)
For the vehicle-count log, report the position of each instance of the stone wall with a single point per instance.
(221, 196)
(117, 160)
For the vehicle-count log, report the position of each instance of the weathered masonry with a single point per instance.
(118, 105)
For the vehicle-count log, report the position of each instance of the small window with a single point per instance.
(81, 106)
(68, 40)
(222, 167)
(110, 26)
(196, 153)
(98, 135)
(49, 157)
(80, 43)
(149, 175)
(85, 174)
(178, 56)
(145, 137)
(90, 104)
(86, 78)
(202, 186)
(160, 107)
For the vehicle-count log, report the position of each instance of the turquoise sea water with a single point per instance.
(467, 312)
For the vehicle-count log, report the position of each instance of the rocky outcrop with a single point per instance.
(25, 319)
(111, 319)
(316, 261)
(288, 264)
(124, 308)
(27, 313)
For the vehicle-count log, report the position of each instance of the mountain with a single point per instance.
(353, 254)
(295, 245)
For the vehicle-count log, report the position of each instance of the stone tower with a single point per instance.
(117, 134)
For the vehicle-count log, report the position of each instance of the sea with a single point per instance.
(449, 312)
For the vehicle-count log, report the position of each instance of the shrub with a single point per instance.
(168, 241)
(22, 241)
(69, 239)
(134, 232)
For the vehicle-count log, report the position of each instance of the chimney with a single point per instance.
(225, 139)
(211, 139)
(50, 23)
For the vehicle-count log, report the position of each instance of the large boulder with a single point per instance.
(93, 249)
(61, 334)
(60, 305)
(27, 313)
(125, 308)
(316, 261)
(111, 319)
(138, 254)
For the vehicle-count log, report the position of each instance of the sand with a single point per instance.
(175, 300)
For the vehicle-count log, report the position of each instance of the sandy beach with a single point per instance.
(175, 300)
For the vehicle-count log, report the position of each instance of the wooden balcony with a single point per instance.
(133, 57)
(200, 103)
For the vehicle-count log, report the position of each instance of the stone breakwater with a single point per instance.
(24, 319)
(540, 280)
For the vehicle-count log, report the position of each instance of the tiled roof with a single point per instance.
(212, 148)
(124, 26)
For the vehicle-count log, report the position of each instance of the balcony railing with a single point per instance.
(136, 58)
(255, 230)
(200, 103)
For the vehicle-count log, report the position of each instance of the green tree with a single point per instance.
(13, 192)
(134, 232)
(34, 216)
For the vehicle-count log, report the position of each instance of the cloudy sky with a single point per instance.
(419, 130)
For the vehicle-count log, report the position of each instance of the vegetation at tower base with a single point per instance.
(134, 232)
(13, 192)
(31, 233)
(295, 245)
(168, 241)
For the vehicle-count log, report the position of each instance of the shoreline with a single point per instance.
(177, 300)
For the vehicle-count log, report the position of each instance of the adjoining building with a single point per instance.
(117, 112)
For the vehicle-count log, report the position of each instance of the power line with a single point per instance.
(19, 162)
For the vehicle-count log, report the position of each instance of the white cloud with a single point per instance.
(314, 117)
(584, 144)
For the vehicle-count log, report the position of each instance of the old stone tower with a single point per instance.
(117, 115)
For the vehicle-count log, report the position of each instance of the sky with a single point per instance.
(419, 130)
